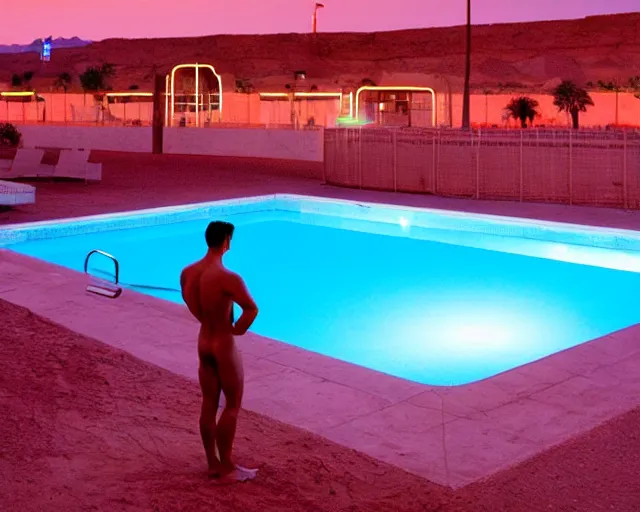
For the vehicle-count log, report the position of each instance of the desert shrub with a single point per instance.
(9, 136)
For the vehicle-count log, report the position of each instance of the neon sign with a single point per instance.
(45, 52)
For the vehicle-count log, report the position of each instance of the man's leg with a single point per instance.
(231, 376)
(210, 385)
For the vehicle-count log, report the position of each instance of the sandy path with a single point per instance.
(86, 427)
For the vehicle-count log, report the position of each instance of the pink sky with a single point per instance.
(21, 21)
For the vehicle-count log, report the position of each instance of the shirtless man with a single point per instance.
(209, 290)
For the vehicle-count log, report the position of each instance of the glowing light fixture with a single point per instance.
(404, 223)
(17, 94)
(302, 95)
(407, 88)
(127, 94)
(196, 67)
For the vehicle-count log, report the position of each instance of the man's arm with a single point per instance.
(193, 308)
(241, 296)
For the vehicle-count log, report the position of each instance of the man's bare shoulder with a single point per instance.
(230, 276)
(190, 272)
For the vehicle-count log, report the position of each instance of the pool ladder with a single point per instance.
(99, 286)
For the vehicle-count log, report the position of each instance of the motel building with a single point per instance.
(198, 96)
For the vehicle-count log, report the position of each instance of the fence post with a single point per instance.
(439, 142)
(360, 157)
(394, 141)
(477, 162)
(324, 156)
(625, 187)
(433, 164)
(571, 166)
(158, 121)
(521, 165)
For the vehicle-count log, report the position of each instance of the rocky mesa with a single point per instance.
(527, 56)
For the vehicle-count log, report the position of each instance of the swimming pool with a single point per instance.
(440, 298)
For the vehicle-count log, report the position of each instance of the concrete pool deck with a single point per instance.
(451, 436)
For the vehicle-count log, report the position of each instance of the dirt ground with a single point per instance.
(84, 427)
(87, 427)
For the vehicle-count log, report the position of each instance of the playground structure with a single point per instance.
(194, 96)
(411, 106)
(404, 99)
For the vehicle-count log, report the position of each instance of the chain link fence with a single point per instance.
(583, 167)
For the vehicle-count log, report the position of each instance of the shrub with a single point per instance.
(9, 136)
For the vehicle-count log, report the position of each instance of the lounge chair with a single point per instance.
(13, 194)
(27, 164)
(74, 164)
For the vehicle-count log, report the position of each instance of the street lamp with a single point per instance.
(314, 18)
(466, 121)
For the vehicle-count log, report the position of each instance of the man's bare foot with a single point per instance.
(237, 474)
(215, 471)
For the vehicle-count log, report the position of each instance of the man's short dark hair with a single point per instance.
(217, 232)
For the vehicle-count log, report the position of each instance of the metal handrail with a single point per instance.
(112, 258)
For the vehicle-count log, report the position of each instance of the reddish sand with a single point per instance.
(86, 427)
(529, 54)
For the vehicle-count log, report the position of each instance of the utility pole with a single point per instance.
(157, 130)
(466, 117)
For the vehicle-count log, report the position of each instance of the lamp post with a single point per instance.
(466, 121)
(314, 18)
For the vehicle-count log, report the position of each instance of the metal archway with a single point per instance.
(196, 67)
(408, 88)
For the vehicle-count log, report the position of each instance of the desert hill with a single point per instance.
(505, 56)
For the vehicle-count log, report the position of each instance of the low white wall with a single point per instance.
(303, 145)
(282, 144)
(108, 138)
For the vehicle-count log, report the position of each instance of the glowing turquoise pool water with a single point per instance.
(409, 294)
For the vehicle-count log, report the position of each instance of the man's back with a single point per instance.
(206, 296)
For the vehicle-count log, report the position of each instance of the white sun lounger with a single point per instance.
(27, 164)
(13, 194)
(74, 164)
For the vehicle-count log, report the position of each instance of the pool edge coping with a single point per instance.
(237, 201)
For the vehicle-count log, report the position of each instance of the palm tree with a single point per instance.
(612, 86)
(95, 78)
(486, 93)
(63, 82)
(568, 97)
(16, 81)
(523, 109)
(27, 76)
